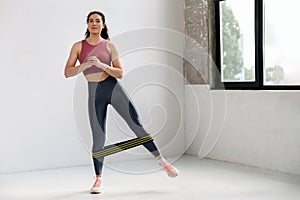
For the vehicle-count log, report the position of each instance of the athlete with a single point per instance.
(101, 66)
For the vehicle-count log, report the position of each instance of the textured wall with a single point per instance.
(199, 25)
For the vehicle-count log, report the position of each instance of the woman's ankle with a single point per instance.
(98, 176)
(160, 159)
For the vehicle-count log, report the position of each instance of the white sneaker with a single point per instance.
(97, 188)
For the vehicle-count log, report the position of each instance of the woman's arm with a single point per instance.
(70, 68)
(116, 70)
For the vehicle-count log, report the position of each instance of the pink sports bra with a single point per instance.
(99, 50)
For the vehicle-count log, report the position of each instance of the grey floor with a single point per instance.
(198, 180)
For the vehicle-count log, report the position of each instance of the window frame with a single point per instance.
(258, 84)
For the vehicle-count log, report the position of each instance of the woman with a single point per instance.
(101, 66)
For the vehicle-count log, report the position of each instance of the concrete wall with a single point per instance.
(255, 128)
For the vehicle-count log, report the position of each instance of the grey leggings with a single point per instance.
(111, 92)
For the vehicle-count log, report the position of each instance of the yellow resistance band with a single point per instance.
(121, 146)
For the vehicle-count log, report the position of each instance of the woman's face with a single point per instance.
(95, 24)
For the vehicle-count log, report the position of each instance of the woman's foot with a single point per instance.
(98, 186)
(171, 170)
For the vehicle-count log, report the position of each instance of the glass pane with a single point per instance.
(237, 40)
(282, 63)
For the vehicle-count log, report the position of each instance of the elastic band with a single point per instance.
(121, 146)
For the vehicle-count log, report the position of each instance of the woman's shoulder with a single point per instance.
(111, 46)
(77, 45)
(110, 43)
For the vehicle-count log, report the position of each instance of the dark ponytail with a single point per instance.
(104, 32)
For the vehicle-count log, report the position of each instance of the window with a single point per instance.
(256, 47)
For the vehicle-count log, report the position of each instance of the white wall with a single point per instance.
(38, 128)
(261, 128)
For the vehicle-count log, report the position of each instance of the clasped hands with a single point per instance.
(94, 61)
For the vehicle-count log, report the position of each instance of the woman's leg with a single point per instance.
(97, 104)
(122, 103)
(97, 116)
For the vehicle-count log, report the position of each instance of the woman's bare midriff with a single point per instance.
(96, 77)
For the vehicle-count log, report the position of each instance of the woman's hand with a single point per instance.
(85, 65)
(93, 60)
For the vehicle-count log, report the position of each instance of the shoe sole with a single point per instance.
(173, 176)
(97, 192)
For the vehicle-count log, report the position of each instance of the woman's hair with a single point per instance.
(104, 33)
